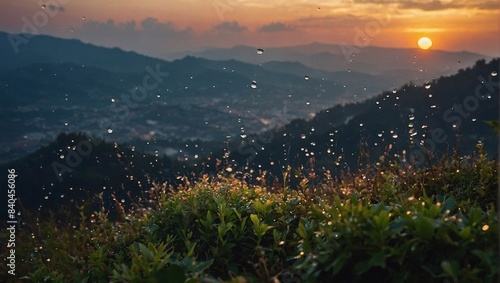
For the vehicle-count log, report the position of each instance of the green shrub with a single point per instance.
(386, 223)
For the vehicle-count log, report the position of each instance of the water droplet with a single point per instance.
(348, 70)
(243, 136)
(303, 136)
(44, 6)
(110, 131)
(430, 95)
(395, 136)
(229, 169)
(113, 100)
(458, 62)
(306, 78)
(433, 106)
(494, 74)
(361, 124)
(83, 17)
(65, 123)
(72, 30)
(394, 90)
(260, 51)
(308, 102)
(254, 84)
(427, 85)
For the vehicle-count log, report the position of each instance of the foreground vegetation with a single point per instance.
(384, 223)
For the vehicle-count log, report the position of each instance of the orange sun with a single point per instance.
(424, 43)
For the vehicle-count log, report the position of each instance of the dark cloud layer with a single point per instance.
(233, 26)
(276, 27)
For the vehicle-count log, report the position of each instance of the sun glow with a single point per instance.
(424, 43)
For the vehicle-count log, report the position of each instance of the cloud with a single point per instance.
(328, 22)
(435, 5)
(149, 36)
(276, 27)
(56, 8)
(233, 26)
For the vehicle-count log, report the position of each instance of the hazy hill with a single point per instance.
(75, 168)
(395, 63)
(48, 49)
(447, 113)
(57, 85)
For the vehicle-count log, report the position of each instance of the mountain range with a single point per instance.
(413, 123)
(52, 85)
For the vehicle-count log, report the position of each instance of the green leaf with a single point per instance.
(378, 259)
(424, 227)
(465, 233)
(202, 266)
(382, 220)
(301, 230)
(494, 124)
(361, 267)
(451, 268)
(173, 273)
(397, 225)
(449, 205)
(255, 219)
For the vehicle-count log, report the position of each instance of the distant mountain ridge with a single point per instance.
(58, 85)
(432, 119)
(370, 59)
(48, 49)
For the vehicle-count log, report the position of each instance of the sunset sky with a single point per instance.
(160, 27)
